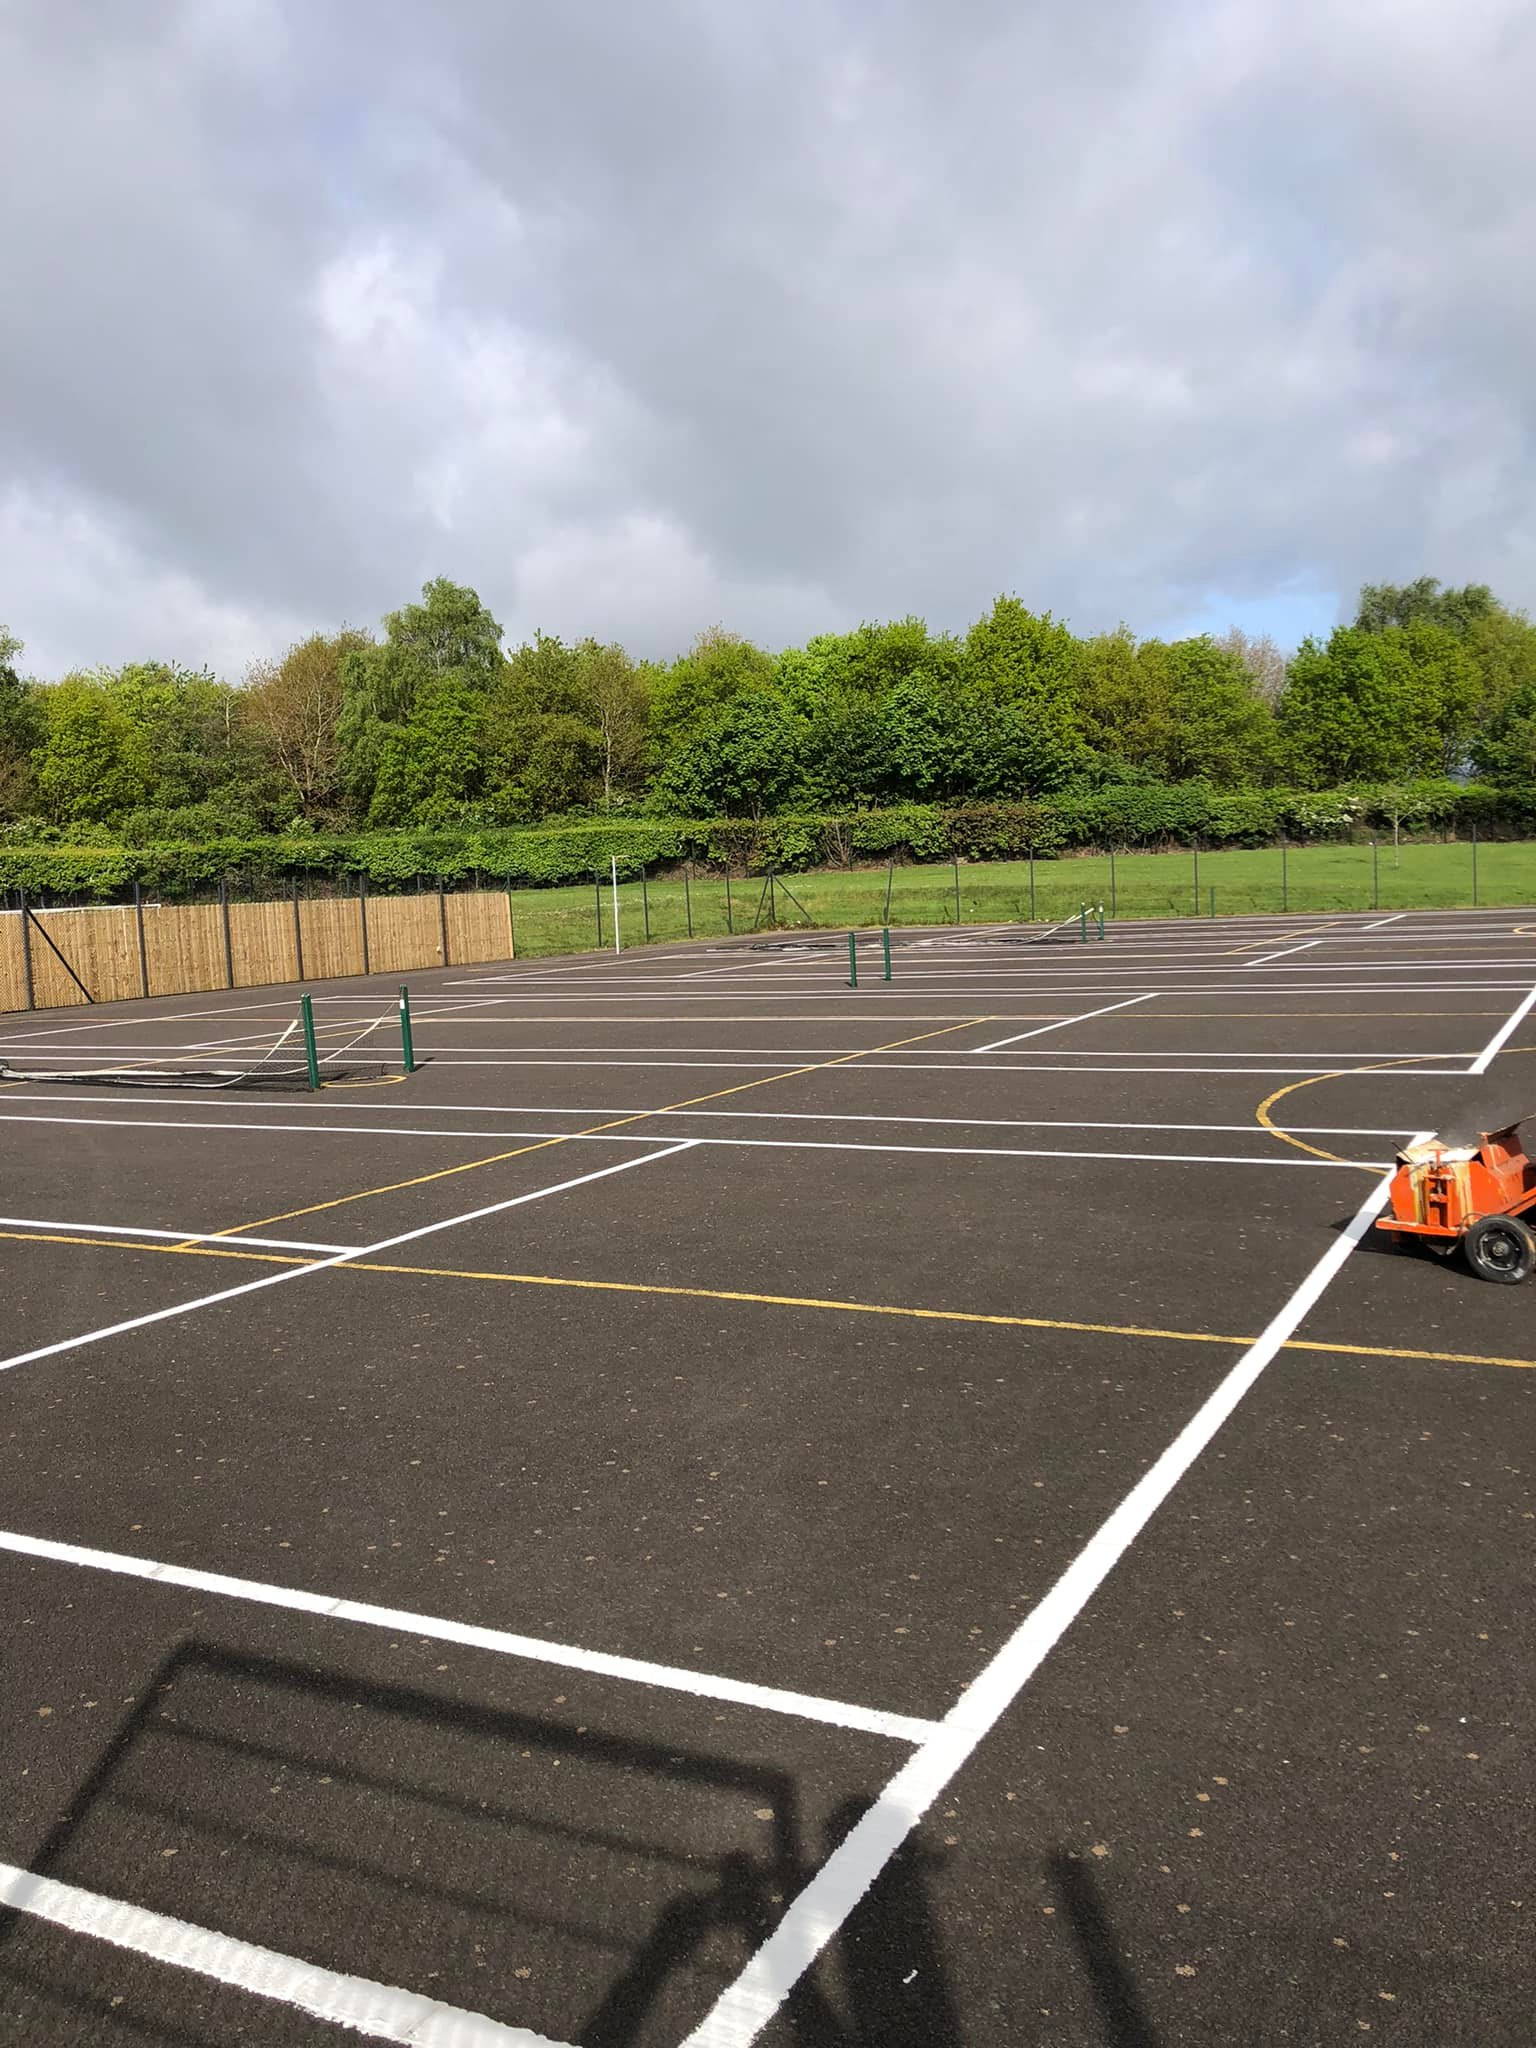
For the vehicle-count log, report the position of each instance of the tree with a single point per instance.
(1260, 654)
(19, 730)
(294, 707)
(1220, 730)
(431, 768)
(450, 633)
(615, 694)
(1358, 710)
(1384, 605)
(1021, 669)
(743, 760)
(92, 761)
(717, 668)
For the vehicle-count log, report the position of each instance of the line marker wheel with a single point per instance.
(1500, 1248)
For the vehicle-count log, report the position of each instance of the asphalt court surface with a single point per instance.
(807, 1544)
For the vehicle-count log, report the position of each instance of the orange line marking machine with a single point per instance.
(1476, 1196)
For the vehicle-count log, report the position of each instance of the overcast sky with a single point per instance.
(642, 315)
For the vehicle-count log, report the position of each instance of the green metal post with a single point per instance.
(1285, 880)
(1375, 877)
(407, 1043)
(885, 947)
(1112, 909)
(688, 896)
(1082, 919)
(1474, 867)
(1197, 880)
(957, 887)
(1031, 885)
(853, 960)
(890, 877)
(311, 1056)
(1101, 920)
(730, 923)
(645, 904)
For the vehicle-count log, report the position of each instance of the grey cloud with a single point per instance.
(642, 317)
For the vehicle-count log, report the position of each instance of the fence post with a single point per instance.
(853, 960)
(1375, 877)
(1474, 867)
(1197, 880)
(362, 911)
(1031, 885)
(890, 877)
(956, 860)
(730, 923)
(298, 931)
(138, 917)
(773, 904)
(229, 943)
(1112, 911)
(613, 868)
(1101, 920)
(885, 948)
(597, 895)
(1285, 886)
(511, 923)
(311, 1057)
(407, 1043)
(26, 951)
(1082, 920)
(442, 917)
(688, 897)
(645, 904)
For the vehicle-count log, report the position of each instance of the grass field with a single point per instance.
(1311, 878)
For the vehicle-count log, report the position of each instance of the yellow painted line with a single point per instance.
(807, 1301)
(594, 1130)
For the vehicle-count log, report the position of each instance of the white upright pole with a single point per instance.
(615, 859)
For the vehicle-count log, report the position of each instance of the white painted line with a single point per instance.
(1376, 927)
(724, 1144)
(379, 2010)
(702, 1685)
(779, 1116)
(361, 1251)
(1062, 1022)
(1511, 1024)
(813, 1920)
(278, 1244)
(1284, 953)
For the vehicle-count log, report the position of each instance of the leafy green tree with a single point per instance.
(1424, 602)
(432, 767)
(741, 761)
(1359, 710)
(1219, 728)
(20, 725)
(1021, 669)
(92, 761)
(449, 634)
(719, 667)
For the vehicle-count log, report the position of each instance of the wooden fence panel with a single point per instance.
(479, 927)
(261, 938)
(403, 933)
(333, 937)
(185, 944)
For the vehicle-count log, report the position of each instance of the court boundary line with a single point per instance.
(1501, 1037)
(704, 1685)
(819, 1911)
(325, 1265)
(385, 2012)
(1061, 1023)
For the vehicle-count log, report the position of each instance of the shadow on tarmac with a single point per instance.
(1126, 2023)
(385, 1826)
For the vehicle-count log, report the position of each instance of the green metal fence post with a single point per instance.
(1474, 867)
(773, 903)
(1031, 885)
(597, 897)
(1082, 920)
(1101, 920)
(1285, 885)
(645, 904)
(956, 861)
(890, 877)
(885, 948)
(311, 1056)
(688, 896)
(730, 923)
(1112, 910)
(853, 960)
(1375, 877)
(407, 1043)
(1196, 851)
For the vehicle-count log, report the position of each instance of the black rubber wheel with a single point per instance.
(1500, 1248)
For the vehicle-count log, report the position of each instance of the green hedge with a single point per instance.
(1129, 817)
